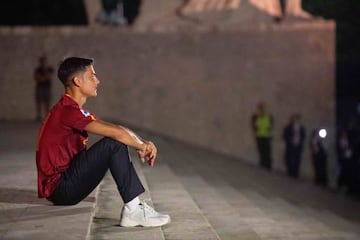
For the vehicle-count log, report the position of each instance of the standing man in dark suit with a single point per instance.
(294, 137)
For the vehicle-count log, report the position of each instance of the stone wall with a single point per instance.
(200, 87)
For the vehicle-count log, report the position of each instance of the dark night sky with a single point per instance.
(42, 12)
(53, 12)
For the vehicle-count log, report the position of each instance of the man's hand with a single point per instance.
(148, 154)
(146, 149)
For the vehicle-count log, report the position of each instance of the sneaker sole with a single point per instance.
(129, 223)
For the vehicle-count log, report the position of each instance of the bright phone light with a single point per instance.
(322, 133)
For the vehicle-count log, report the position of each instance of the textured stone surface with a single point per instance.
(208, 195)
(241, 200)
(22, 214)
(197, 86)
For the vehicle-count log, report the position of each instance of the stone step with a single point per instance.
(290, 220)
(22, 214)
(268, 216)
(107, 213)
(302, 221)
(304, 213)
(275, 200)
(335, 221)
(268, 203)
(227, 222)
(314, 219)
(169, 195)
(335, 226)
(246, 210)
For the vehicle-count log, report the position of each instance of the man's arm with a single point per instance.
(146, 149)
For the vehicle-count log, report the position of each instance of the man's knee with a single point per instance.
(113, 144)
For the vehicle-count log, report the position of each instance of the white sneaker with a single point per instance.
(144, 216)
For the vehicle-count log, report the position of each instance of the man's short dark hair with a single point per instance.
(70, 66)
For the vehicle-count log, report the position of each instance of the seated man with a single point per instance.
(68, 171)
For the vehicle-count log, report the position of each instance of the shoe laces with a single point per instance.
(146, 208)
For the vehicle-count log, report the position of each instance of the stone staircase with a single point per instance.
(208, 196)
(206, 199)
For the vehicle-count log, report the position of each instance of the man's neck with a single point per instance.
(77, 97)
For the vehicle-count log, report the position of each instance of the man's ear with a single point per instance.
(76, 81)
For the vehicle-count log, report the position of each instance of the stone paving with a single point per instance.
(211, 196)
(22, 214)
(208, 196)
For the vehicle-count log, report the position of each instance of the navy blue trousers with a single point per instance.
(89, 167)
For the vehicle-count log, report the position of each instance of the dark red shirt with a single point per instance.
(61, 137)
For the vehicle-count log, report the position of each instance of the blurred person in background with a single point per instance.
(346, 161)
(294, 137)
(352, 145)
(319, 159)
(43, 78)
(262, 126)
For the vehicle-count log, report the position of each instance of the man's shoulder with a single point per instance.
(69, 110)
(65, 105)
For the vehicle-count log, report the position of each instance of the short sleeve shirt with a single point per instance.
(62, 136)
